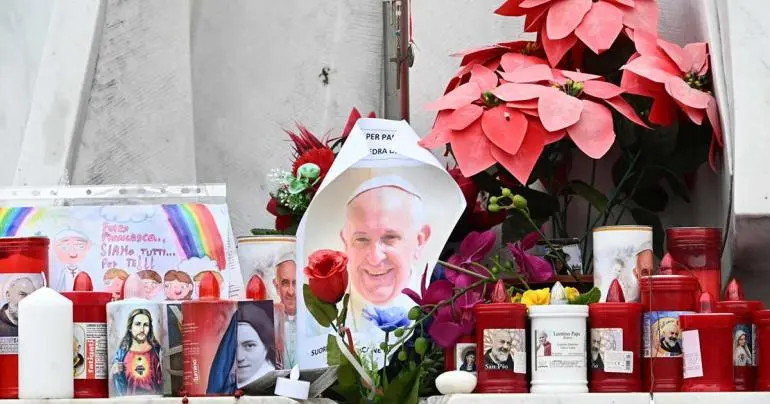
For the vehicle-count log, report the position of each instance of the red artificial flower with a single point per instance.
(574, 104)
(673, 77)
(492, 56)
(322, 157)
(327, 275)
(493, 117)
(595, 23)
(282, 221)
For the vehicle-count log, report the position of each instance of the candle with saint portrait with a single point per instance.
(623, 253)
(256, 351)
(744, 359)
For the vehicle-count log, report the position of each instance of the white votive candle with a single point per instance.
(45, 346)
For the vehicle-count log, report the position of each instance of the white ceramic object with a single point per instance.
(559, 348)
(622, 253)
(456, 382)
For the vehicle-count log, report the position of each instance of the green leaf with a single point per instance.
(347, 381)
(265, 232)
(592, 296)
(592, 195)
(404, 388)
(323, 312)
(297, 186)
(516, 226)
(646, 218)
(541, 205)
(332, 351)
(344, 314)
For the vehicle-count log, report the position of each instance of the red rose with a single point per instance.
(327, 271)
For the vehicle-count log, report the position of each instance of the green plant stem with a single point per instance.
(551, 247)
(385, 363)
(462, 270)
(484, 268)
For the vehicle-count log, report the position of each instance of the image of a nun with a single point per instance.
(256, 352)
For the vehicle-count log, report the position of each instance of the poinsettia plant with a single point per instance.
(596, 76)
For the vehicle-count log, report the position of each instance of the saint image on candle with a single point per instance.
(543, 347)
(78, 357)
(468, 357)
(256, 352)
(499, 347)
(16, 290)
(136, 367)
(668, 342)
(741, 349)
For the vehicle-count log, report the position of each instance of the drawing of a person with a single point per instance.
(71, 248)
(178, 285)
(136, 367)
(113, 281)
(151, 282)
(9, 314)
(741, 351)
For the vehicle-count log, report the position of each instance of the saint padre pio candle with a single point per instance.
(23, 269)
(45, 346)
(501, 346)
(133, 347)
(616, 334)
(706, 340)
(209, 339)
(744, 357)
(664, 299)
(89, 342)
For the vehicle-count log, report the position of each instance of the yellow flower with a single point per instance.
(536, 297)
(516, 298)
(571, 293)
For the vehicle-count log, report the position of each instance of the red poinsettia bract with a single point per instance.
(484, 128)
(673, 77)
(595, 23)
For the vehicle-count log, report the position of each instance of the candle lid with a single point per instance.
(706, 320)
(82, 292)
(740, 306)
(682, 282)
(292, 387)
(24, 241)
(615, 293)
(255, 289)
(208, 289)
(760, 315)
(499, 294)
(133, 288)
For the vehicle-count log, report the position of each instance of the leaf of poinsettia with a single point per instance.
(462, 95)
(555, 49)
(621, 105)
(593, 133)
(533, 3)
(629, 3)
(676, 54)
(485, 78)
(663, 111)
(520, 165)
(558, 110)
(578, 76)
(698, 53)
(564, 16)
(643, 16)
(646, 44)
(653, 68)
(633, 83)
(530, 74)
(713, 114)
(439, 135)
(505, 127)
(519, 92)
(525, 104)
(601, 89)
(600, 27)
(510, 8)
(680, 91)
(694, 114)
(471, 149)
(529, 112)
(462, 117)
(535, 19)
(513, 61)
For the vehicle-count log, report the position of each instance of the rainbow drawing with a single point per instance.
(11, 219)
(196, 231)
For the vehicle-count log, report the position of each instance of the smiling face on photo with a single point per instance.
(384, 234)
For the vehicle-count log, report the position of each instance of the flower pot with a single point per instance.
(558, 348)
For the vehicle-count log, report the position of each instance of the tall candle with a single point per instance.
(616, 335)
(133, 347)
(744, 357)
(706, 341)
(45, 346)
(89, 344)
(762, 338)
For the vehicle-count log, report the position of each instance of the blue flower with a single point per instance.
(387, 319)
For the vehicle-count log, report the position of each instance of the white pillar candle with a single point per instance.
(45, 346)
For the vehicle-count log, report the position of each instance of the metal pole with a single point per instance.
(398, 58)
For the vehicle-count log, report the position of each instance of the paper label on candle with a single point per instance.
(754, 344)
(661, 336)
(602, 341)
(134, 352)
(465, 357)
(693, 367)
(743, 342)
(559, 349)
(13, 288)
(618, 361)
(90, 350)
(520, 363)
(501, 346)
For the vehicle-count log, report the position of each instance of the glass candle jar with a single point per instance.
(697, 251)
(501, 348)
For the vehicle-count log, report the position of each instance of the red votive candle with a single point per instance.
(664, 299)
(616, 334)
(501, 348)
(762, 338)
(89, 345)
(23, 269)
(707, 337)
(697, 251)
(744, 355)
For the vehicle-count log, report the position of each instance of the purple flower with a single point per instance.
(537, 269)
(437, 292)
(387, 319)
(474, 248)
